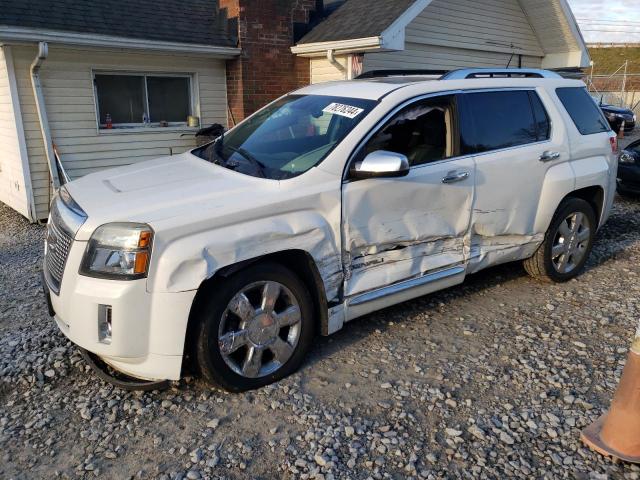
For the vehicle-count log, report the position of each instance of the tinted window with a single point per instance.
(583, 111)
(500, 120)
(542, 118)
(120, 97)
(129, 100)
(422, 131)
(169, 99)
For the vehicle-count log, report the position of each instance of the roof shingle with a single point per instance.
(357, 19)
(183, 21)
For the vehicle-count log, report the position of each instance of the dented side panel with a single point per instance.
(395, 229)
(293, 216)
(509, 186)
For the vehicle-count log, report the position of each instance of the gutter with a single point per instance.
(340, 46)
(21, 34)
(43, 53)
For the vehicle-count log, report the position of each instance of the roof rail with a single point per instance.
(498, 73)
(399, 73)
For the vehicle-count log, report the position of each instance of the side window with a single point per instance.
(586, 115)
(423, 131)
(542, 118)
(500, 120)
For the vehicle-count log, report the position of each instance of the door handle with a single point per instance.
(548, 155)
(453, 177)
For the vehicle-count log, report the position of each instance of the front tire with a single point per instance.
(567, 244)
(254, 328)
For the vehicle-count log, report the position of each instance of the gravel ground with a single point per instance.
(491, 379)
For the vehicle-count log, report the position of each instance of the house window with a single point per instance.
(134, 100)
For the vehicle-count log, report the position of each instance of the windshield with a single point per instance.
(289, 137)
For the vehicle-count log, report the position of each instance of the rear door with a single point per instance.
(509, 133)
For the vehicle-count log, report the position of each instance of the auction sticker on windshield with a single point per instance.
(348, 111)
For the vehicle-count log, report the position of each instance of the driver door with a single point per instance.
(396, 229)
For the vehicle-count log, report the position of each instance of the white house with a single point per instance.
(112, 85)
(364, 35)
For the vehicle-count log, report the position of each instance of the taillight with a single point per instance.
(614, 144)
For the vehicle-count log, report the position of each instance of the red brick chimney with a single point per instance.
(266, 67)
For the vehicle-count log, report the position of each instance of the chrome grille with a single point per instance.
(58, 246)
(64, 222)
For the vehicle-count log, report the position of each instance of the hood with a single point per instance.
(614, 109)
(156, 190)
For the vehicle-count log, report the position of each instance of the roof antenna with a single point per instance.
(509, 62)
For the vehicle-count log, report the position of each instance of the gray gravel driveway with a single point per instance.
(491, 379)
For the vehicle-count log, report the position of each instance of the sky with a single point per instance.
(613, 21)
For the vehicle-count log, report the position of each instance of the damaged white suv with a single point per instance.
(331, 202)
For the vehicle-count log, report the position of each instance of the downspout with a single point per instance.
(43, 53)
(332, 60)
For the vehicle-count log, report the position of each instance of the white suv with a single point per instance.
(330, 203)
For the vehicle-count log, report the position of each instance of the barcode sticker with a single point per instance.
(343, 110)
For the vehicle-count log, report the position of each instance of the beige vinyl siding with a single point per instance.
(69, 98)
(551, 25)
(13, 179)
(451, 34)
(323, 71)
(418, 56)
(488, 25)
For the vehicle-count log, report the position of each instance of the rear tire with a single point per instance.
(567, 244)
(254, 328)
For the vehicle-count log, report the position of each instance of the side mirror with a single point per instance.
(381, 164)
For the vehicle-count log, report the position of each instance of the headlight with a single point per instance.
(626, 157)
(118, 251)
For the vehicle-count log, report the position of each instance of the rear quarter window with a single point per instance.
(586, 115)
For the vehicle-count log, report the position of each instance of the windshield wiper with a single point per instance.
(218, 147)
(241, 151)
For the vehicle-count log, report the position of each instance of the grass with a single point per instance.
(608, 60)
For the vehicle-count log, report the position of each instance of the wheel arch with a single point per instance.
(561, 183)
(594, 196)
(298, 261)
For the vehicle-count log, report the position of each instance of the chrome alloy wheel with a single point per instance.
(260, 329)
(571, 242)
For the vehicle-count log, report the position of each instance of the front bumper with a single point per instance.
(629, 178)
(148, 329)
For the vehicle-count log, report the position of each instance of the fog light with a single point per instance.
(104, 324)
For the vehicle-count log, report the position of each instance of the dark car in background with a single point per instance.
(629, 169)
(617, 115)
